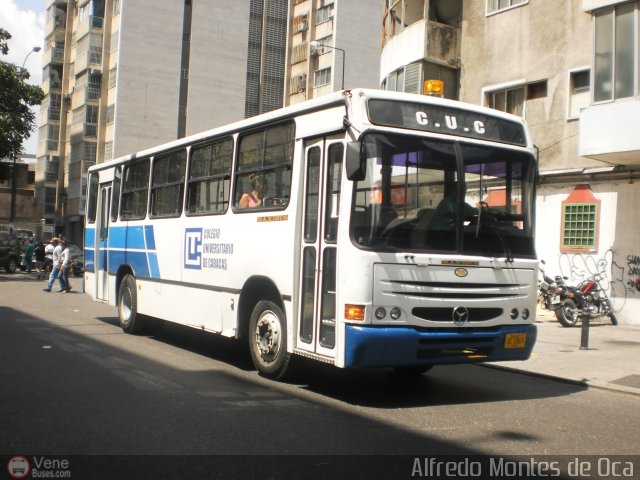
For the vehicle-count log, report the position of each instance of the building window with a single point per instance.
(494, 6)
(324, 14)
(579, 92)
(322, 77)
(580, 217)
(616, 53)
(510, 100)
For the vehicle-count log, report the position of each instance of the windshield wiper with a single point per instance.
(493, 223)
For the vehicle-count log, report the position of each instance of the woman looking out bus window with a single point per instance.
(255, 197)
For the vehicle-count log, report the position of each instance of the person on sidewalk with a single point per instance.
(55, 269)
(39, 256)
(66, 266)
(28, 256)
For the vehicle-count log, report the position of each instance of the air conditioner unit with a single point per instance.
(302, 27)
(330, 15)
(95, 71)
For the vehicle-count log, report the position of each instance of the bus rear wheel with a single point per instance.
(268, 340)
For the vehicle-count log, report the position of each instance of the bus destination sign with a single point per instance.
(446, 120)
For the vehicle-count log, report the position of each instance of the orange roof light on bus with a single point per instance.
(434, 88)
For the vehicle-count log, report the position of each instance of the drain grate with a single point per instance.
(629, 381)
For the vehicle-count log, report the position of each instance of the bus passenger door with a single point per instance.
(317, 315)
(102, 243)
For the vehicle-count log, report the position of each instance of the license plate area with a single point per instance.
(515, 340)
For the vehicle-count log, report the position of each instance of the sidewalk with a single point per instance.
(612, 360)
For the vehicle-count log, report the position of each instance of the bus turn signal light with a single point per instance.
(354, 312)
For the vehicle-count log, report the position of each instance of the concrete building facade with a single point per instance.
(571, 70)
(332, 45)
(122, 75)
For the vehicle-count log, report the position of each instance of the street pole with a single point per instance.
(14, 165)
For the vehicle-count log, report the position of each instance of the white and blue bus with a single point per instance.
(363, 229)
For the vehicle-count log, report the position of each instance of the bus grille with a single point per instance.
(439, 314)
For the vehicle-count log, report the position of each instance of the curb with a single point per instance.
(579, 383)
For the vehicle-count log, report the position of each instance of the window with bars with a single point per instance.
(579, 226)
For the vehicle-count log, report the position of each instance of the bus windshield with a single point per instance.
(431, 195)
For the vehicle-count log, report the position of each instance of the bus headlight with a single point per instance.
(514, 313)
(395, 313)
(380, 313)
(525, 314)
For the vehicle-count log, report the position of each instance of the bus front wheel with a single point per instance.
(268, 340)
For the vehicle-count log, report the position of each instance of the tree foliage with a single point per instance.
(17, 120)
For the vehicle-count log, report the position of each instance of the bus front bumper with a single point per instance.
(368, 346)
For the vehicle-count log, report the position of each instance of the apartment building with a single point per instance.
(571, 70)
(123, 75)
(16, 202)
(333, 45)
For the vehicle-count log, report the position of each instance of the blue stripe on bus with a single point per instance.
(89, 260)
(126, 237)
(154, 268)
(89, 237)
(150, 238)
(121, 242)
(406, 346)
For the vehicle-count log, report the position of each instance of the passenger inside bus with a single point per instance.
(255, 197)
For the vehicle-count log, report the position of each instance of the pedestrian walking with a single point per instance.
(38, 255)
(55, 269)
(66, 266)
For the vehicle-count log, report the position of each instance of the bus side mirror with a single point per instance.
(355, 166)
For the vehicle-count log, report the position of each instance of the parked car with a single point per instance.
(9, 252)
(77, 260)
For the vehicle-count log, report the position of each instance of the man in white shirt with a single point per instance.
(66, 266)
(55, 270)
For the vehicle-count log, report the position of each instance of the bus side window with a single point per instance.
(167, 184)
(210, 178)
(267, 155)
(134, 191)
(115, 194)
(92, 198)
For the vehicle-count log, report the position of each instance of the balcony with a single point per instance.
(423, 40)
(609, 132)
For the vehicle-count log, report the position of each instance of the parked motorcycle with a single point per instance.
(549, 290)
(587, 300)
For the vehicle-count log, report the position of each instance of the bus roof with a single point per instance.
(320, 103)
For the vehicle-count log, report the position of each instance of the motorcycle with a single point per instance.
(549, 290)
(586, 300)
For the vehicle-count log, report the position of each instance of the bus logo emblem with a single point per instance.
(193, 248)
(460, 316)
(461, 272)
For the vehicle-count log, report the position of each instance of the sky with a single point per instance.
(24, 20)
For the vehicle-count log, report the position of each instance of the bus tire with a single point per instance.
(128, 316)
(268, 340)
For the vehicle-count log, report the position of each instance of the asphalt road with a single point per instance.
(71, 383)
